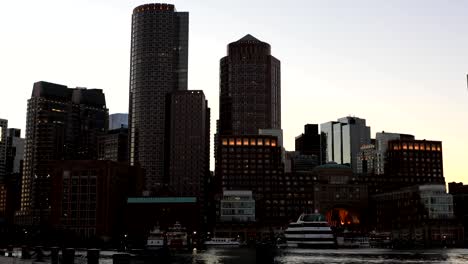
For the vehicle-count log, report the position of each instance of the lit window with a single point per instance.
(260, 142)
(246, 141)
(238, 142)
(231, 142)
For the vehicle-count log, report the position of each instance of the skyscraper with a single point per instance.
(3, 147)
(189, 143)
(381, 147)
(61, 124)
(345, 138)
(250, 88)
(158, 66)
(309, 143)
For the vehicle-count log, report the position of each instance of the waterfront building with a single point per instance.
(250, 88)
(62, 124)
(158, 66)
(381, 147)
(252, 163)
(418, 215)
(114, 145)
(118, 120)
(459, 191)
(3, 148)
(309, 142)
(344, 139)
(413, 162)
(88, 197)
(237, 206)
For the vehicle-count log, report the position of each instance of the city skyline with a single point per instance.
(382, 74)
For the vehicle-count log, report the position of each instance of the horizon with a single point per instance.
(413, 50)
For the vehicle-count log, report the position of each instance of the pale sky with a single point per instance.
(401, 65)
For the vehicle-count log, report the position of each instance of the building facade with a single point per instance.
(344, 139)
(114, 145)
(381, 147)
(118, 120)
(188, 143)
(252, 163)
(62, 124)
(89, 197)
(367, 159)
(158, 66)
(420, 215)
(250, 88)
(309, 142)
(237, 206)
(3, 148)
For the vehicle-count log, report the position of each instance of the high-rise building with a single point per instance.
(114, 145)
(15, 151)
(189, 143)
(381, 146)
(250, 88)
(344, 140)
(62, 124)
(158, 66)
(3, 148)
(414, 162)
(117, 121)
(367, 159)
(309, 142)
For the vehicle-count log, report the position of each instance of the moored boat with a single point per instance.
(155, 239)
(310, 230)
(222, 242)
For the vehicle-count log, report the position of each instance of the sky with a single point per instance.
(399, 64)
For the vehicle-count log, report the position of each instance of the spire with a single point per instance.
(248, 38)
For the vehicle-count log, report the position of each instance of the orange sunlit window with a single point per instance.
(423, 147)
(253, 142)
(439, 148)
(267, 142)
(410, 146)
(260, 142)
(238, 142)
(416, 146)
(246, 141)
(273, 143)
(433, 147)
(225, 142)
(231, 142)
(405, 146)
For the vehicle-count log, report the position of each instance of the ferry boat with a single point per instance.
(155, 239)
(222, 242)
(177, 237)
(310, 230)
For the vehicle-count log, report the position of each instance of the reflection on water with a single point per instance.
(353, 256)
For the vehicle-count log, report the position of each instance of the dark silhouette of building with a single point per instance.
(88, 197)
(309, 142)
(158, 66)
(3, 147)
(114, 145)
(11, 184)
(62, 124)
(419, 215)
(250, 88)
(460, 204)
(189, 143)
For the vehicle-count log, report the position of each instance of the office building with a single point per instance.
(344, 139)
(367, 159)
(237, 206)
(414, 162)
(114, 145)
(117, 121)
(250, 88)
(381, 146)
(62, 124)
(158, 66)
(309, 142)
(459, 191)
(188, 143)
(420, 215)
(88, 197)
(3, 148)
(252, 163)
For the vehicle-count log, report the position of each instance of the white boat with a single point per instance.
(222, 242)
(177, 236)
(310, 230)
(155, 239)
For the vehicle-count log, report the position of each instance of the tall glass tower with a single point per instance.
(158, 66)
